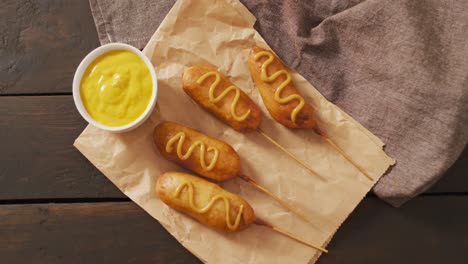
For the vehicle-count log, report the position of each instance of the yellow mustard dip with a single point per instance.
(116, 88)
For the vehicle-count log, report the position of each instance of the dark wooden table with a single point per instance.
(55, 207)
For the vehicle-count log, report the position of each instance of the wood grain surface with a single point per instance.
(455, 180)
(427, 230)
(85, 233)
(37, 159)
(42, 43)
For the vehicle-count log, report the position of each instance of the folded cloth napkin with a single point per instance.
(399, 67)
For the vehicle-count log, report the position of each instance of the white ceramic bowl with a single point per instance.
(82, 68)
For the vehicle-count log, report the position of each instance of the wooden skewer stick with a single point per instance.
(266, 191)
(347, 157)
(261, 222)
(259, 130)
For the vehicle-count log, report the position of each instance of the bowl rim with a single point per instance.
(87, 60)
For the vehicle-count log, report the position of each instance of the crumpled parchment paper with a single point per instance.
(220, 33)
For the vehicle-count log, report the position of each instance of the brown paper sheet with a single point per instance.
(221, 33)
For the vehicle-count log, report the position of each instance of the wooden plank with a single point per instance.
(429, 229)
(42, 43)
(455, 179)
(37, 159)
(426, 230)
(85, 233)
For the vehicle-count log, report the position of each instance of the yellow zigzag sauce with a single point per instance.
(180, 137)
(214, 99)
(227, 204)
(278, 91)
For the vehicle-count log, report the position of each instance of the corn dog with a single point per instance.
(195, 151)
(205, 201)
(209, 157)
(216, 94)
(283, 101)
(211, 205)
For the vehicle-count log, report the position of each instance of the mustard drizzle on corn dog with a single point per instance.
(214, 199)
(273, 77)
(180, 138)
(214, 99)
